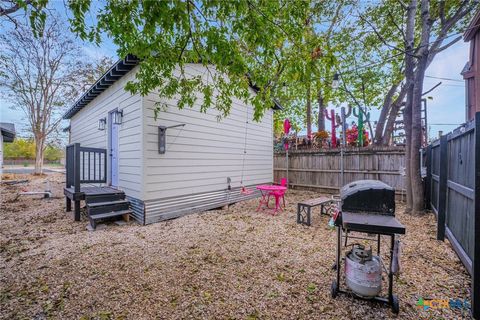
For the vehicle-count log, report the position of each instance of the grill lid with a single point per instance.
(370, 196)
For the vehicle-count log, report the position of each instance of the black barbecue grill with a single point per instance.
(370, 196)
(368, 206)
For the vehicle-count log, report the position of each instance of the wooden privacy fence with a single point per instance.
(322, 169)
(453, 193)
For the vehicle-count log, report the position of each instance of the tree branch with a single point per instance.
(447, 45)
(385, 42)
(433, 88)
(12, 9)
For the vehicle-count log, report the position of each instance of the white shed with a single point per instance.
(7, 134)
(201, 164)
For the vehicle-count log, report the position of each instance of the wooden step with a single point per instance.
(107, 207)
(106, 215)
(110, 214)
(107, 203)
(104, 197)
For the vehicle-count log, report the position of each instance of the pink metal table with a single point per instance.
(265, 189)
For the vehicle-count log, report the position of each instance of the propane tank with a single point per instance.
(363, 272)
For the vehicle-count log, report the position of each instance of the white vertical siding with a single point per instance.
(84, 130)
(201, 155)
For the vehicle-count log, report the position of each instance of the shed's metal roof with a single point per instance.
(118, 70)
(8, 131)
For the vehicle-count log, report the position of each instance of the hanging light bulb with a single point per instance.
(335, 81)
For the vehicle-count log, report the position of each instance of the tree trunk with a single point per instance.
(39, 149)
(370, 129)
(416, 139)
(309, 113)
(392, 116)
(407, 113)
(407, 119)
(321, 112)
(387, 104)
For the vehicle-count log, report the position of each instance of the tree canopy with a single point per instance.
(22, 148)
(42, 72)
(241, 39)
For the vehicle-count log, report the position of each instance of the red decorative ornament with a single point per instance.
(286, 126)
(286, 130)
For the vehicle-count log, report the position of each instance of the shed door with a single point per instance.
(113, 151)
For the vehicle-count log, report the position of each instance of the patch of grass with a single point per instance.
(105, 315)
(207, 296)
(58, 304)
(281, 277)
(173, 301)
(311, 288)
(253, 316)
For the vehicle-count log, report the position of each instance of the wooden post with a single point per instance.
(428, 178)
(104, 166)
(68, 175)
(76, 179)
(476, 230)
(442, 197)
(77, 210)
(76, 167)
(68, 167)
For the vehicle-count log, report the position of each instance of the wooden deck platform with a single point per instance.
(92, 195)
(91, 191)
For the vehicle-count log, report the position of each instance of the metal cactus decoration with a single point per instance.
(359, 114)
(342, 121)
(332, 119)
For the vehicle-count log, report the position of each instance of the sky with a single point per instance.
(444, 112)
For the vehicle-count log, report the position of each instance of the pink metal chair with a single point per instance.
(279, 194)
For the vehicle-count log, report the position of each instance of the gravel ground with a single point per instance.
(226, 264)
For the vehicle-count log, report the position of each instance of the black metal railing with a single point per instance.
(85, 165)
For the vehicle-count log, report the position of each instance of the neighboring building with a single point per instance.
(471, 71)
(7, 135)
(202, 156)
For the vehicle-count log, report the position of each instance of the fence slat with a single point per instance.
(442, 189)
(321, 169)
(476, 233)
(428, 178)
(455, 196)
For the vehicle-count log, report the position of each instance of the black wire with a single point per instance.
(402, 53)
(449, 79)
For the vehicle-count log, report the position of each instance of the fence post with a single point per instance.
(476, 230)
(442, 188)
(428, 178)
(68, 165)
(76, 167)
(76, 179)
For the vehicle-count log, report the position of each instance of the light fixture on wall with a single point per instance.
(102, 123)
(117, 117)
(162, 137)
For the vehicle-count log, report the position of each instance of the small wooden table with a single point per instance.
(304, 208)
(265, 189)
